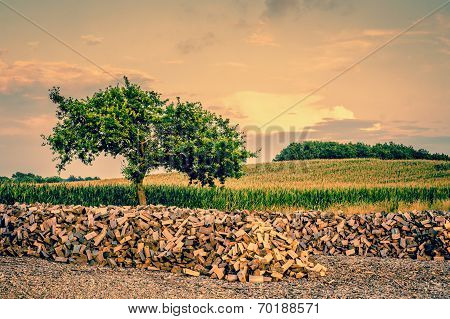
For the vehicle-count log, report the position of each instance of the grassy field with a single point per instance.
(358, 185)
(313, 174)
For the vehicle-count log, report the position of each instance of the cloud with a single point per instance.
(445, 51)
(365, 130)
(262, 39)
(444, 44)
(281, 8)
(344, 130)
(33, 44)
(196, 44)
(445, 41)
(341, 49)
(91, 39)
(26, 126)
(443, 21)
(329, 62)
(232, 64)
(257, 108)
(242, 24)
(375, 127)
(272, 141)
(24, 74)
(173, 61)
(391, 32)
(413, 128)
(326, 5)
(438, 144)
(365, 39)
(228, 112)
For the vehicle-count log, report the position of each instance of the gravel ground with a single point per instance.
(348, 277)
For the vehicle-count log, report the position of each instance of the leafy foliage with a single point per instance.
(148, 132)
(201, 144)
(335, 150)
(115, 121)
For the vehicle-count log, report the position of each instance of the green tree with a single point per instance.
(148, 132)
(27, 178)
(117, 121)
(201, 144)
(53, 179)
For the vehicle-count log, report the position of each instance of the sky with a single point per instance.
(246, 60)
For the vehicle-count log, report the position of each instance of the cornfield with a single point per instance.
(309, 174)
(221, 198)
(362, 184)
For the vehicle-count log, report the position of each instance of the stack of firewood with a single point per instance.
(419, 235)
(227, 246)
(244, 246)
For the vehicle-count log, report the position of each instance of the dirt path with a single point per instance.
(348, 277)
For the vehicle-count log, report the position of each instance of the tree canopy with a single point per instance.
(330, 150)
(147, 132)
(201, 144)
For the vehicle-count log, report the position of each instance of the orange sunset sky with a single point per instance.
(247, 60)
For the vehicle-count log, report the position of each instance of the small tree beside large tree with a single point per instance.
(201, 144)
(148, 132)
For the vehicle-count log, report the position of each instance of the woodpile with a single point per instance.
(231, 246)
(422, 235)
(235, 246)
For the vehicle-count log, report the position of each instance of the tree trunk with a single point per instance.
(141, 192)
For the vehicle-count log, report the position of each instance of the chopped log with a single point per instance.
(256, 279)
(90, 235)
(350, 252)
(190, 272)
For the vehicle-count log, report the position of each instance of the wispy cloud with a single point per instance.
(232, 64)
(20, 74)
(341, 49)
(445, 41)
(196, 44)
(175, 61)
(228, 112)
(275, 9)
(33, 44)
(255, 108)
(366, 130)
(391, 32)
(443, 21)
(32, 125)
(375, 127)
(262, 39)
(91, 39)
(444, 44)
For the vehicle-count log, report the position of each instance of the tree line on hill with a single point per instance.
(20, 177)
(335, 150)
